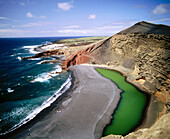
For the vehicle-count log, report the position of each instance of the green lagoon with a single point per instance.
(131, 106)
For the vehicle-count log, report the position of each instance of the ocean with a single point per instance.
(27, 87)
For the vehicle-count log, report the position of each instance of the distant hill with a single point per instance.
(146, 27)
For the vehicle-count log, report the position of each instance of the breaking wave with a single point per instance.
(44, 77)
(65, 86)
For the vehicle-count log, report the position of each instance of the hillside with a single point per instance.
(143, 57)
(141, 53)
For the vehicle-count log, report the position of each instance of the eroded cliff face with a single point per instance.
(147, 57)
(82, 56)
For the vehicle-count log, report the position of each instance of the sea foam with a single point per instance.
(65, 86)
(35, 59)
(52, 46)
(10, 90)
(19, 58)
(44, 77)
(31, 48)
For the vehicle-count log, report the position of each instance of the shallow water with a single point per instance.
(130, 108)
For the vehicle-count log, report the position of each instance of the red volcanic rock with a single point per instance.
(83, 59)
(80, 57)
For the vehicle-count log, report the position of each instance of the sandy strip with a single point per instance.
(85, 114)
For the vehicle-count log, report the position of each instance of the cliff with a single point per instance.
(144, 55)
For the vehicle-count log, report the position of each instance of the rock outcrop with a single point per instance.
(82, 56)
(45, 54)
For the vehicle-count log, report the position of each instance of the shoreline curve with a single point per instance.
(83, 113)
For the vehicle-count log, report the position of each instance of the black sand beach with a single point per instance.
(84, 115)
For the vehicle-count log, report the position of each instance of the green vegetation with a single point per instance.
(81, 41)
(129, 111)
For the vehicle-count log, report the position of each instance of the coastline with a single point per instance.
(36, 50)
(60, 105)
(24, 130)
(85, 104)
(26, 89)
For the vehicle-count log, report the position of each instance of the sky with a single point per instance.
(55, 18)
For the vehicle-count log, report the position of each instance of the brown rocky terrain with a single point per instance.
(145, 55)
(141, 53)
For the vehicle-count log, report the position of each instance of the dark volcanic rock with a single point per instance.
(45, 54)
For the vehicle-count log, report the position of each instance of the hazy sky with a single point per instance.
(31, 18)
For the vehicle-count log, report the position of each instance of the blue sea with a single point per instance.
(27, 87)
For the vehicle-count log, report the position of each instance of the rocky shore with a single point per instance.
(63, 49)
(48, 53)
